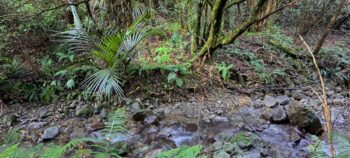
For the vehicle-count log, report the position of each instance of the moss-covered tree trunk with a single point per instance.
(269, 6)
(215, 25)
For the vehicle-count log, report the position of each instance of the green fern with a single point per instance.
(224, 70)
(7, 153)
(341, 143)
(181, 152)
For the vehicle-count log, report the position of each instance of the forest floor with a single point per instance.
(226, 123)
(267, 108)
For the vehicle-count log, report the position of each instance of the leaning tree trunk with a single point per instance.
(269, 6)
(329, 27)
(122, 12)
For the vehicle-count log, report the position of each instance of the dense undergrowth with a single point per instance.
(105, 63)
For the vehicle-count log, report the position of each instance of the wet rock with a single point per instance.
(219, 120)
(84, 110)
(225, 135)
(339, 102)
(298, 95)
(217, 145)
(10, 119)
(50, 133)
(96, 126)
(304, 118)
(152, 119)
(269, 101)
(221, 154)
(258, 103)
(36, 125)
(135, 107)
(282, 100)
(252, 154)
(45, 113)
(160, 113)
(279, 115)
(338, 89)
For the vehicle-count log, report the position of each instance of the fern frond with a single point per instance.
(104, 83)
(9, 151)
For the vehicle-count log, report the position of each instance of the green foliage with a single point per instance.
(9, 151)
(183, 151)
(104, 83)
(319, 148)
(11, 137)
(242, 138)
(224, 70)
(163, 55)
(173, 77)
(334, 62)
(115, 49)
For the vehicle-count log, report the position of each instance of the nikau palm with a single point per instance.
(115, 49)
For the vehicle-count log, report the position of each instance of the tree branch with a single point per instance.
(237, 2)
(60, 6)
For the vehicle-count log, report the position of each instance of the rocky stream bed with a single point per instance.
(226, 123)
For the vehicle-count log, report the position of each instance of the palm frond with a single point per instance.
(78, 41)
(132, 40)
(104, 83)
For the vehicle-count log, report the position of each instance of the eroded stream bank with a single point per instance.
(225, 124)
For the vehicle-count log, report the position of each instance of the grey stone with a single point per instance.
(135, 107)
(50, 133)
(269, 101)
(84, 110)
(45, 113)
(304, 118)
(252, 154)
(218, 145)
(258, 103)
(36, 125)
(282, 100)
(339, 102)
(10, 119)
(220, 120)
(221, 154)
(278, 114)
(298, 95)
(150, 119)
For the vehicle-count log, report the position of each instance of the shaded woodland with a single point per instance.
(171, 78)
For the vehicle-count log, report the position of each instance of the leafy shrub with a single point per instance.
(224, 70)
(335, 63)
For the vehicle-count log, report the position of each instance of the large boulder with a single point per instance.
(269, 101)
(304, 118)
(50, 133)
